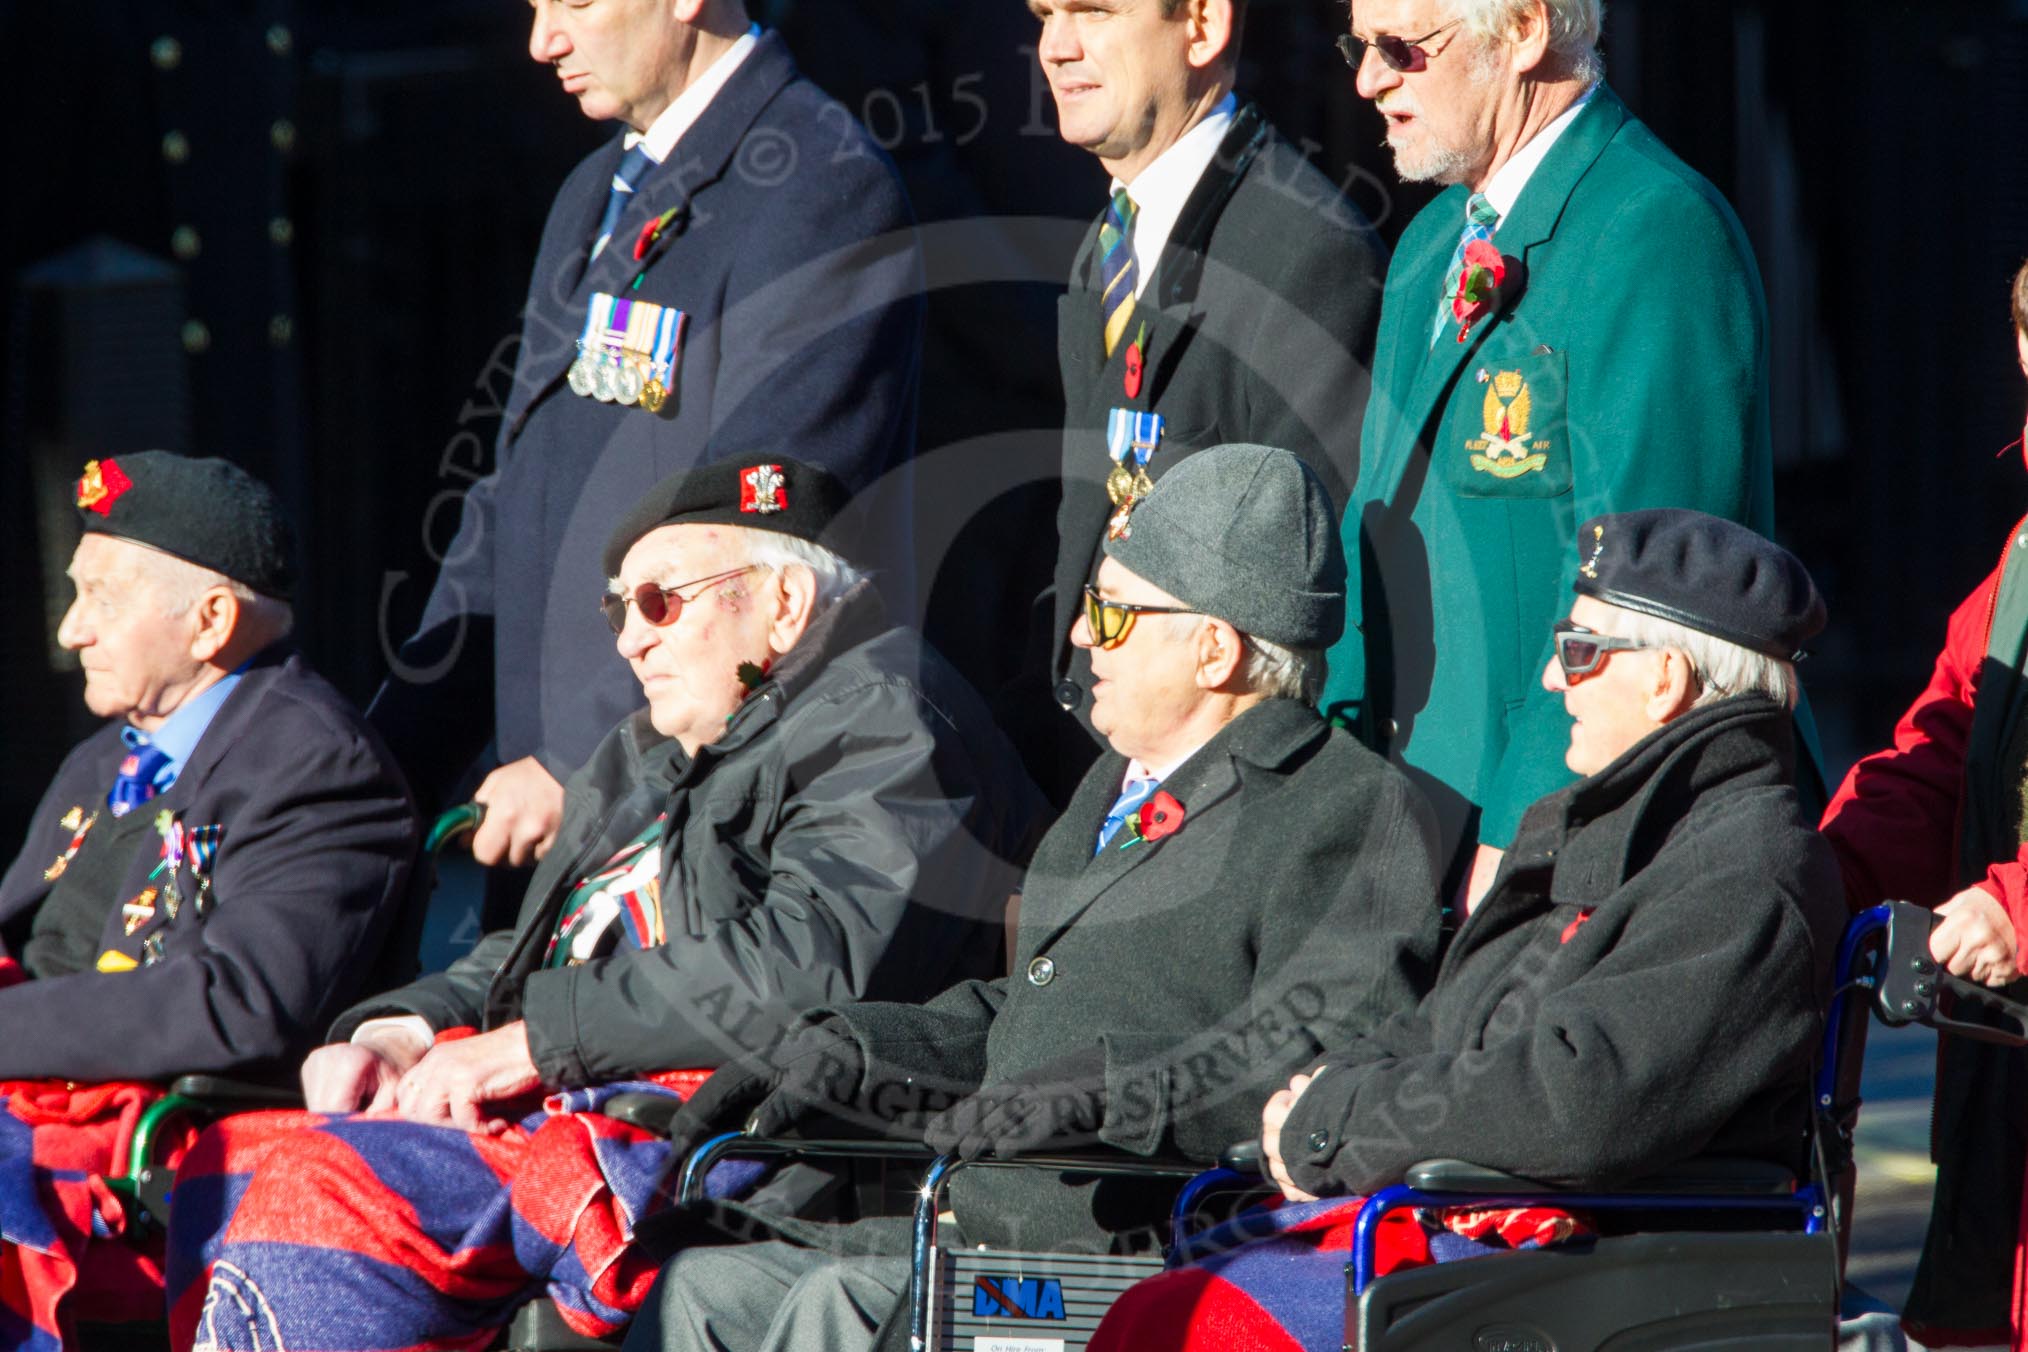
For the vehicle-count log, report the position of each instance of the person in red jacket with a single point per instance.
(1941, 818)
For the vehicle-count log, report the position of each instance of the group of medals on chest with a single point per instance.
(628, 352)
(196, 846)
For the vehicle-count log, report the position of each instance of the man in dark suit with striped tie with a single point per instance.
(1229, 292)
(737, 266)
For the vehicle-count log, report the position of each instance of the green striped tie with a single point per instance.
(1117, 269)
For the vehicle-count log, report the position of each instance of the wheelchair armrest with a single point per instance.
(654, 1113)
(227, 1095)
(1711, 1176)
(734, 1144)
(1245, 1158)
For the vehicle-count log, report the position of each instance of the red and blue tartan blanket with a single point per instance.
(64, 1248)
(371, 1233)
(1273, 1278)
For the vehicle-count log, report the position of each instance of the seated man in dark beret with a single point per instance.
(1235, 887)
(204, 884)
(1644, 983)
(812, 807)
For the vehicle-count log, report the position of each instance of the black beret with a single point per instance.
(775, 493)
(1703, 572)
(208, 512)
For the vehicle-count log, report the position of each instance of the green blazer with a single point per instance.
(1631, 371)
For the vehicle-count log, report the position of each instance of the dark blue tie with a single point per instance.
(634, 166)
(135, 783)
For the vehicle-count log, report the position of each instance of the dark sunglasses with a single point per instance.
(1405, 55)
(659, 605)
(1112, 621)
(1580, 652)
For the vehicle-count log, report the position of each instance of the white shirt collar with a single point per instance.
(1161, 190)
(1505, 188)
(1139, 769)
(682, 114)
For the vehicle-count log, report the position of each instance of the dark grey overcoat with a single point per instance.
(1295, 908)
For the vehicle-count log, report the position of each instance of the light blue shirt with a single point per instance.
(179, 734)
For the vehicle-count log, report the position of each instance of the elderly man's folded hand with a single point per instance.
(454, 1080)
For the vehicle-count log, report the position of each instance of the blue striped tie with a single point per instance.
(1137, 792)
(1480, 220)
(1117, 269)
(634, 165)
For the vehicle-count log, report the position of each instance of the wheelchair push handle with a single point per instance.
(1914, 987)
(458, 821)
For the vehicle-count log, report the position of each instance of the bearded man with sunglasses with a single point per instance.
(812, 807)
(1234, 887)
(1644, 983)
(1576, 327)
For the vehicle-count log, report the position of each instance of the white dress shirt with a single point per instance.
(1160, 190)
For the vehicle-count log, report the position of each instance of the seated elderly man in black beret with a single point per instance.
(1235, 887)
(812, 807)
(1644, 983)
(206, 880)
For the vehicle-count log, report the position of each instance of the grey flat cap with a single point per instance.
(1248, 534)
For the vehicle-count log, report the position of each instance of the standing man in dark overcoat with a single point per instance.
(1234, 887)
(737, 264)
(1228, 292)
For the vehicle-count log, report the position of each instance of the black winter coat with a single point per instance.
(855, 833)
(1644, 983)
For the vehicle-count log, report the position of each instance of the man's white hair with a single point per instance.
(1267, 669)
(1283, 673)
(179, 583)
(1723, 668)
(1573, 29)
(772, 549)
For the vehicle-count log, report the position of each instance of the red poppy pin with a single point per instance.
(101, 486)
(1160, 816)
(1137, 352)
(1482, 285)
(1570, 930)
(651, 233)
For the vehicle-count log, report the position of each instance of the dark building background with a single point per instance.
(297, 233)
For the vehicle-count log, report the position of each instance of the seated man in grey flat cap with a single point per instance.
(1235, 887)
(1644, 983)
(207, 879)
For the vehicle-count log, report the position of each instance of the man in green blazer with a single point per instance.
(1608, 353)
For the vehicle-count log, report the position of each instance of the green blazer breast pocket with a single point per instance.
(1506, 432)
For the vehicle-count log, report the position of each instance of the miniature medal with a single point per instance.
(581, 373)
(1131, 439)
(627, 384)
(79, 825)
